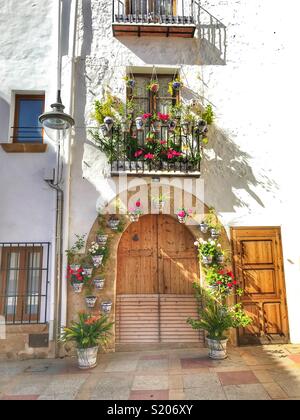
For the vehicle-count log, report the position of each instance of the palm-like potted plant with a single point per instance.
(216, 318)
(88, 333)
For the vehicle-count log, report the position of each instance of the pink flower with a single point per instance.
(163, 142)
(138, 203)
(146, 116)
(149, 156)
(170, 155)
(182, 213)
(163, 117)
(138, 153)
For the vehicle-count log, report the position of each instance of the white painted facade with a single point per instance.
(251, 167)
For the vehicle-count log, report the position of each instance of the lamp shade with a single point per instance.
(56, 123)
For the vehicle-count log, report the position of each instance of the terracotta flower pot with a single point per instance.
(87, 358)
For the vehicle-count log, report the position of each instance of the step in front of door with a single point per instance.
(156, 319)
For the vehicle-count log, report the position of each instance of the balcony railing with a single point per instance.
(144, 152)
(150, 17)
(24, 282)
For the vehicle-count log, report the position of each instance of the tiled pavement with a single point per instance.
(268, 372)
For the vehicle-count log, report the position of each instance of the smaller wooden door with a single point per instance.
(258, 267)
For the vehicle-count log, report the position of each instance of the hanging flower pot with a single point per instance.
(113, 224)
(214, 233)
(106, 306)
(220, 259)
(134, 217)
(99, 284)
(109, 122)
(130, 83)
(153, 87)
(102, 239)
(207, 259)
(158, 205)
(103, 130)
(172, 125)
(183, 214)
(204, 227)
(97, 260)
(181, 219)
(90, 301)
(156, 126)
(176, 85)
(139, 122)
(75, 267)
(187, 127)
(202, 126)
(77, 287)
(87, 271)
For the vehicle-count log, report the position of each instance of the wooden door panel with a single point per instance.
(258, 264)
(259, 282)
(257, 252)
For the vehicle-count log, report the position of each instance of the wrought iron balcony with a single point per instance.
(175, 152)
(170, 18)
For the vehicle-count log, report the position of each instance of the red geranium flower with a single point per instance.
(149, 156)
(138, 153)
(138, 203)
(230, 274)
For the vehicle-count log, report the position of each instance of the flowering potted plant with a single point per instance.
(183, 214)
(88, 333)
(221, 282)
(130, 82)
(159, 119)
(97, 253)
(175, 85)
(214, 225)
(135, 212)
(207, 250)
(76, 278)
(153, 86)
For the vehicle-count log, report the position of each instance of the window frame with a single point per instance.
(20, 315)
(18, 98)
(152, 97)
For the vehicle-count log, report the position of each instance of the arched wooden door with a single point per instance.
(157, 265)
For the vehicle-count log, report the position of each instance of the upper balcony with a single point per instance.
(168, 18)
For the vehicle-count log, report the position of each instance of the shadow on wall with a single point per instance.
(173, 51)
(4, 119)
(227, 169)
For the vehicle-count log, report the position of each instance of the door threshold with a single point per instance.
(131, 347)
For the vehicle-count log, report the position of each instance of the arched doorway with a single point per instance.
(157, 265)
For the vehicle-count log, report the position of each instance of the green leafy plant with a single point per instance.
(215, 317)
(207, 248)
(212, 220)
(89, 331)
(105, 108)
(77, 247)
(208, 115)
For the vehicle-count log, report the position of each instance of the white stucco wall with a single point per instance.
(251, 168)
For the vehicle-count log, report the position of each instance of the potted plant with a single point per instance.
(101, 237)
(216, 318)
(109, 122)
(175, 85)
(106, 306)
(76, 277)
(113, 223)
(130, 82)
(203, 227)
(135, 212)
(207, 250)
(140, 123)
(214, 225)
(88, 333)
(159, 201)
(153, 86)
(183, 214)
(76, 249)
(99, 283)
(97, 253)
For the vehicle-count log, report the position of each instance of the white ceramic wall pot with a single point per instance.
(181, 219)
(97, 260)
(203, 227)
(99, 284)
(220, 259)
(214, 233)
(217, 349)
(102, 239)
(134, 218)
(172, 125)
(207, 259)
(77, 287)
(159, 205)
(87, 271)
(113, 224)
(87, 358)
(103, 130)
(109, 122)
(106, 307)
(139, 122)
(91, 301)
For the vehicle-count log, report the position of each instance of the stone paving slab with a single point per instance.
(249, 373)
